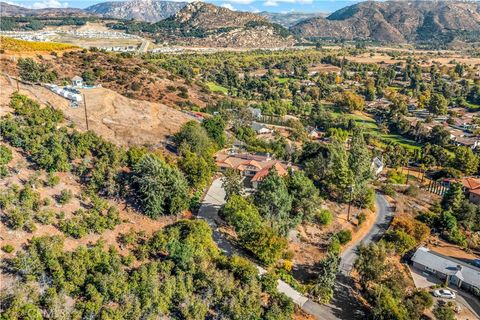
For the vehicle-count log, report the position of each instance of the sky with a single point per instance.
(240, 5)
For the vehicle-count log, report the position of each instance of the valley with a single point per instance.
(187, 160)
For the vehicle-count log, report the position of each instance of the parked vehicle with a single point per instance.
(444, 293)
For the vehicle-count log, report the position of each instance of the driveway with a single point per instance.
(344, 305)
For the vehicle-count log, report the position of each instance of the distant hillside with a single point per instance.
(397, 21)
(208, 16)
(291, 18)
(141, 10)
(204, 24)
(10, 10)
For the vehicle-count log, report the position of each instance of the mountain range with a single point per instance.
(388, 21)
(395, 21)
(142, 10)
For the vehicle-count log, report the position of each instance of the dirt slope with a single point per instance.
(119, 119)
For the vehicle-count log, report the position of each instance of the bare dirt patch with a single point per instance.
(119, 119)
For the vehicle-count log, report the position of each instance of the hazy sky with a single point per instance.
(243, 5)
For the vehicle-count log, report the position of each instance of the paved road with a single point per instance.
(384, 217)
(344, 305)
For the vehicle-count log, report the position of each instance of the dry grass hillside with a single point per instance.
(121, 120)
(129, 76)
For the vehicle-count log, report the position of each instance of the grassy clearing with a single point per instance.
(283, 80)
(10, 44)
(371, 127)
(214, 87)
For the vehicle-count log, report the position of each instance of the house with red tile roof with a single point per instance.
(471, 187)
(251, 166)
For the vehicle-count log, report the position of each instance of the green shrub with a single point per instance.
(323, 217)
(65, 196)
(52, 180)
(396, 177)
(8, 248)
(362, 217)
(344, 236)
(388, 190)
(45, 216)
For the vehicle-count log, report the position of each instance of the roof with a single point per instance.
(260, 175)
(77, 78)
(258, 126)
(471, 183)
(447, 265)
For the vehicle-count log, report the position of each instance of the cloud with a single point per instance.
(228, 6)
(270, 3)
(274, 3)
(49, 4)
(241, 1)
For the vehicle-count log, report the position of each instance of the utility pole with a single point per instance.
(86, 116)
(350, 203)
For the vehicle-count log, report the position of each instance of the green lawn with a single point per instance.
(472, 107)
(371, 126)
(283, 80)
(214, 87)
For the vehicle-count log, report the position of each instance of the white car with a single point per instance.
(444, 293)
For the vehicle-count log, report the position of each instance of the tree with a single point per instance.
(197, 170)
(305, 197)
(232, 183)
(339, 176)
(439, 135)
(215, 128)
(274, 203)
(350, 101)
(370, 263)
(31, 71)
(453, 198)
(160, 189)
(194, 137)
(327, 270)
(444, 312)
(360, 159)
(465, 160)
(438, 105)
(241, 214)
(5, 155)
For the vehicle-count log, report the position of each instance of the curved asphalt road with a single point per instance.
(343, 305)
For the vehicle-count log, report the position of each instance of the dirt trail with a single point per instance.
(119, 119)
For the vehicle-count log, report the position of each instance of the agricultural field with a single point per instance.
(15, 45)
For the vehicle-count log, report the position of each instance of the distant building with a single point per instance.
(377, 166)
(314, 134)
(453, 271)
(77, 81)
(260, 128)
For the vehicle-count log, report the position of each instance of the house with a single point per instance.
(251, 166)
(260, 128)
(471, 187)
(452, 271)
(77, 81)
(377, 166)
(314, 134)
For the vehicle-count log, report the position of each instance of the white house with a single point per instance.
(260, 128)
(77, 81)
(377, 166)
